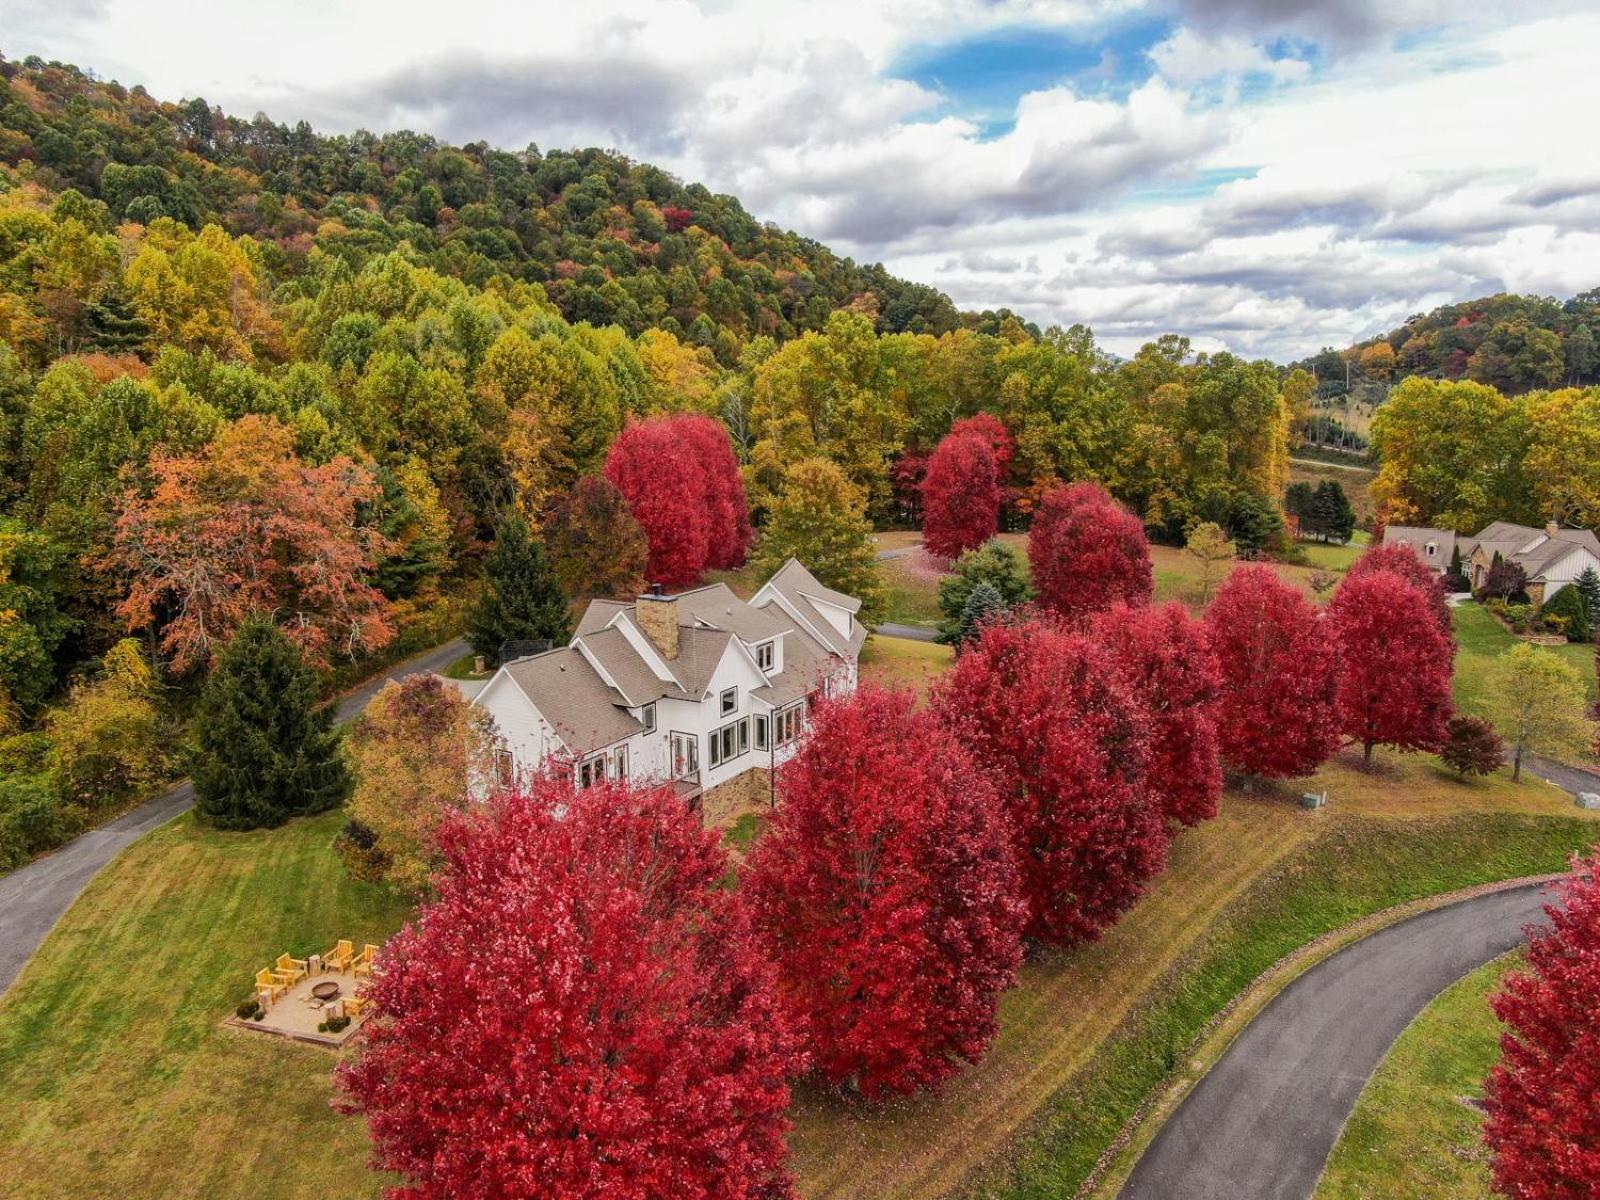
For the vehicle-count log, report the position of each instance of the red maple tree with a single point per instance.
(683, 485)
(1395, 663)
(886, 894)
(1543, 1096)
(1166, 657)
(245, 528)
(992, 430)
(1087, 552)
(1403, 561)
(960, 496)
(1053, 723)
(581, 1012)
(1278, 711)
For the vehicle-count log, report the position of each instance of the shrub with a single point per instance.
(1568, 607)
(33, 818)
(249, 1010)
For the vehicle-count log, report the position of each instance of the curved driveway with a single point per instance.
(33, 898)
(1260, 1124)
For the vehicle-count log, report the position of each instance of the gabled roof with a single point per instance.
(717, 607)
(800, 590)
(1536, 551)
(1417, 538)
(571, 695)
(638, 684)
(793, 579)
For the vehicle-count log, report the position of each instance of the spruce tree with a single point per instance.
(522, 599)
(1588, 585)
(984, 603)
(113, 325)
(1331, 515)
(265, 750)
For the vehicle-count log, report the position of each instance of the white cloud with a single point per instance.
(1390, 175)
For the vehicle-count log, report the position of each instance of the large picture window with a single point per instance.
(729, 742)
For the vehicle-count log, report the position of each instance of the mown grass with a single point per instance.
(1481, 640)
(901, 662)
(120, 1079)
(1413, 1135)
(1356, 481)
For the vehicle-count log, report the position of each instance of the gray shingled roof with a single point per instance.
(617, 657)
(717, 606)
(1418, 537)
(792, 578)
(573, 698)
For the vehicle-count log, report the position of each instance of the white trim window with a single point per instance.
(786, 724)
(761, 721)
(592, 771)
(728, 702)
(619, 762)
(766, 655)
(647, 718)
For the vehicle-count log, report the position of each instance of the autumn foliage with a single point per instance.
(886, 894)
(1403, 561)
(1543, 1097)
(1061, 734)
(960, 496)
(1278, 711)
(580, 1013)
(683, 485)
(245, 528)
(1087, 552)
(1395, 663)
(1166, 658)
(596, 546)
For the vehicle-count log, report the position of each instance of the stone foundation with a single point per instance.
(748, 792)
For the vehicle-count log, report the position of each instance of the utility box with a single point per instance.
(1588, 800)
(1313, 799)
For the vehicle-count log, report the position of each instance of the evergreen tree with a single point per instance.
(1588, 585)
(522, 599)
(1298, 502)
(1332, 518)
(983, 604)
(114, 326)
(264, 751)
(993, 563)
(1570, 605)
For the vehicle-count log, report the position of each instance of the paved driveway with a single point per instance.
(1261, 1123)
(33, 898)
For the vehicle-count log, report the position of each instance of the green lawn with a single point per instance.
(1412, 1135)
(119, 1077)
(1481, 640)
(901, 662)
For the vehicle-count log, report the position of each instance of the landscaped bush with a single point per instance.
(249, 1010)
(1567, 607)
(33, 817)
(334, 1025)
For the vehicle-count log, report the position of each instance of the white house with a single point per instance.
(1550, 558)
(699, 688)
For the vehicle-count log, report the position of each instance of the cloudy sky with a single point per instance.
(1266, 175)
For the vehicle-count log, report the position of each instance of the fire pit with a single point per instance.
(325, 991)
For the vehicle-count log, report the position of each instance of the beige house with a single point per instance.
(1550, 558)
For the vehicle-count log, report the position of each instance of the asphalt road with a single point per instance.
(915, 633)
(33, 898)
(1261, 1123)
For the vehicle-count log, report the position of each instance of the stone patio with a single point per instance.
(297, 1013)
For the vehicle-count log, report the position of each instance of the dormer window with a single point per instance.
(729, 702)
(765, 656)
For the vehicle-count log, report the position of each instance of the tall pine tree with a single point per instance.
(522, 599)
(265, 751)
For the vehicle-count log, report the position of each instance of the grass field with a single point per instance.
(1356, 481)
(122, 1081)
(1413, 1135)
(1481, 640)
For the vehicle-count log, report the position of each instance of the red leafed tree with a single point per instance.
(1395, 663)
(1543, 1096)
(886, 894)
(242, 529)
(1278, 713)
(725, 500)
(992, 430)
(1087, 552)
(960, 496)
(1059, 731)
(905, 481)
(1403, 561)
(677, 219)
(581, 1012)
(1166, 657)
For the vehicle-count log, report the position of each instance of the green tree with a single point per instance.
(993, 563)
(522, 599)
(1569, 605)
(983, 604)
(1538, 704)
(1332, 517)
(1210, 545)
(264, 749)
(1588, 583)
(820, 518)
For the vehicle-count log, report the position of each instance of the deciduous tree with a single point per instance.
(580, 1012)
(1472, 747)
(1538, 703)
(960, 496)
(886, 893)
(1395, 663)
(665, 486)
(1210, 546)
(1087, 553)
(1278, 712)
(820, 518)
(729, 511)
(1401, 560)
(596, 546)
(1053, 723)
(1543, 1126)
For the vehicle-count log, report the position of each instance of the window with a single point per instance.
(744, 736)
(592, 771)
(786, 725)
(647, 717)
(761, 732)
(729, 742)
(619, 763)
(505, 767)
(685, 756)
(765, 656)
(730, 702)
(1433, 549)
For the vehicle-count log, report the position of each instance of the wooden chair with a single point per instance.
(294, 969)
(354, 1005)
(362, 964)
(268, 981)
(339, 957)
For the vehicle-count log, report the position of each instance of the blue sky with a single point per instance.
(1268, 176)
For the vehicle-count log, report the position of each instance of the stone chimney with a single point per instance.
(1551, 529)
(658, 617)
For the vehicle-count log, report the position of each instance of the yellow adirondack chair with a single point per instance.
(294, 969)
(354, 1005)
(339, 957)
(363, 962)
(268, 982)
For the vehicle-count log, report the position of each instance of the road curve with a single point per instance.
(1260, 1124)
(33, 898)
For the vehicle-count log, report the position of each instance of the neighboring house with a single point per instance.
(1433, 546)
(699, 688)
(1551, 557)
